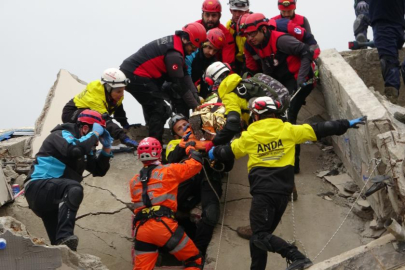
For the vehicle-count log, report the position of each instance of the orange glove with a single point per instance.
(190, 146)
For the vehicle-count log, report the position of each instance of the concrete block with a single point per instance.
(15, 146)
(64, 89)
(5, 189)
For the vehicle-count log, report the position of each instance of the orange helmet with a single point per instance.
(216, 37)
(286, 4)
(196, 32)
(253, 22)
(211, 6)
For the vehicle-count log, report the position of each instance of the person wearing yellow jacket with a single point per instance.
(235, 99)
(270, 144)
(237, 8)
(104, 96)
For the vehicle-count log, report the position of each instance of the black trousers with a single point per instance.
(196, 188)
(149, 94)
(46, 199)
(265, 215)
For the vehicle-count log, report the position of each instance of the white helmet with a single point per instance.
(214, 72)
(265, 104)
(242, 5)
(114, 78)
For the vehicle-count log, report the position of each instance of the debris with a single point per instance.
(364, 204)
(327, 148)
(323, 173)
(339, 181)
(327, 198)
(361, 213)
(10, 173)
(351, 187)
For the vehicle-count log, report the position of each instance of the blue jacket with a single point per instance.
(387, 12)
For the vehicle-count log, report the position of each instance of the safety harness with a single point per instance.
(157, 212)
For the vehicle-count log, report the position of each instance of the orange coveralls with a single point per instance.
(154, 232)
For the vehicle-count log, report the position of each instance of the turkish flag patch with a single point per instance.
(175, 67)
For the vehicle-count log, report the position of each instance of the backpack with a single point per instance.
(263, 85)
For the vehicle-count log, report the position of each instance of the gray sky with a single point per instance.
(38, 38)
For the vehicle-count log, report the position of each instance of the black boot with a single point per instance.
(296, 260)
(71, 242)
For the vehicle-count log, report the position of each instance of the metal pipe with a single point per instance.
(395, 229)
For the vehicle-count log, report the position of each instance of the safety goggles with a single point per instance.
(240, 4)
(126, 82)
(286, 3)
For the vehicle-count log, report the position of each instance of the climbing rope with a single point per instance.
(295, 239)
(222, 222)
(378, 161)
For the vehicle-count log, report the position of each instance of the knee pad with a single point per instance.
(233, 122)
(388, 63)
(360, 24)
(211, 214)
(74, 197)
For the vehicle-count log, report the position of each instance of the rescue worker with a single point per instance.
(52, 188)
(284, 58)
(387, 20)
(211, 15)
(287, 10)
(198, 61)
(104, 96)
(154, 195)
(362, 21)
(237, 9)
(204, 187)
(270, 144)
(159, 61)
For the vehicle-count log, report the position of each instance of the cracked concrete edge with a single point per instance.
(342, 259)
(347, 97)
(22, 252)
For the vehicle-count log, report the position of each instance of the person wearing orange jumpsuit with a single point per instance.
(154, 197)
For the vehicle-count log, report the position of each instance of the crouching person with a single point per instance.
(52, 188)
(154, 194)
(270, 144)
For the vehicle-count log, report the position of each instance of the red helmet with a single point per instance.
(286, 4)
(241, 23)
(272, 23)
(216, 37)
(197, 33)
(253, 22)
(211, 6)
(149, 149)
(90, 117)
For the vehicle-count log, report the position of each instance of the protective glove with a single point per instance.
(106, 139)
(358, 121)
(362, 7)
(131, 143)
(211, 153)
(132, 125)
(208, 146)
(190, 146)
(98, 128)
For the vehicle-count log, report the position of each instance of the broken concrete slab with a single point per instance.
(15, 146)
(65, 88)
(340, 181)
(22, 252)
(6, 194)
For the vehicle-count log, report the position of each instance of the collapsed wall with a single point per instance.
(380, 144)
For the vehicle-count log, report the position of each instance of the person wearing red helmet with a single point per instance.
(154, 197)
(156, 62)
(52, 188)
(211, 15)
(237, 8)
(287, 10)
(281, 56)
(198, 61)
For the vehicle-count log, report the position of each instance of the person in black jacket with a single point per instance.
(52, 188)
(387, 20)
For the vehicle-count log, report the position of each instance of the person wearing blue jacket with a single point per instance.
(52, 188)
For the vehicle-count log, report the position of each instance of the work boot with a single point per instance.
(400, 117)
(71, 242)
(296, 260)
(245, 232)
(392, 94)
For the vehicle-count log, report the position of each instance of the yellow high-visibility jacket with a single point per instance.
(239, 42)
